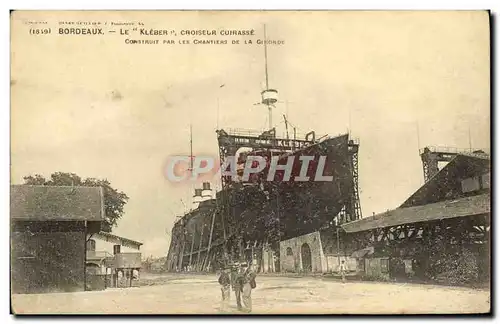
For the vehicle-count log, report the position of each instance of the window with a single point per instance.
(289, 251)
(91, 245)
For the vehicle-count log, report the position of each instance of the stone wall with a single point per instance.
(333, 263)
(291, 255)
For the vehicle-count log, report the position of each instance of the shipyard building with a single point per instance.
(441, 232)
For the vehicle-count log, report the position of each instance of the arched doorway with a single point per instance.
(289, 264)
(92, 268)
(305, 252)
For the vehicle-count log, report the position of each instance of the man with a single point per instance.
(343, 271)
(236, 284)
(225, 283)
(248, 283)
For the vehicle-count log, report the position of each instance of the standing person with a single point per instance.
(343, 271)
(236, 283)
(225, 283)
(248, 283)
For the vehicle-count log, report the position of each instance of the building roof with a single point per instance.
(108, 237)
(446, 184)
(468, 206)
(56, 203)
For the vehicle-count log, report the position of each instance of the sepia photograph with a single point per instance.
(250, 162)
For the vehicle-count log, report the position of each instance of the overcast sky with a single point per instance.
(98, 107)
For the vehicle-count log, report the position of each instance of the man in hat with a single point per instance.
(225, 283)
(248, 283)
(236, 283)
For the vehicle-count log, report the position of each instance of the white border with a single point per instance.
(186, 5)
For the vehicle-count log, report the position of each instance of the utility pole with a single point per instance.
(337, 228)
(218, 107)
(338, 244)
(349, 130)
(191, 147)
(418, 137)
(470, 141)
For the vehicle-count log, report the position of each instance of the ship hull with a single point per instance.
(249, 218)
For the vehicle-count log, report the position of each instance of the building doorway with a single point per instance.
(289, 264)
(305, 252)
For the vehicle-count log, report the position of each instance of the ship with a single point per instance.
(247, 218)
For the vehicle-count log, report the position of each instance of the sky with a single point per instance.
(98, 107)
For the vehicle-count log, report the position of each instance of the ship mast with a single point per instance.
(265, 57)
(269, 96)
(267, 80)
(191, 147)
(191, 167)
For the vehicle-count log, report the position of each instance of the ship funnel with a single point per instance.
(207, 191)
(197, 196)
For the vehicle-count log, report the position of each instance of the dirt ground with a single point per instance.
(200, 294)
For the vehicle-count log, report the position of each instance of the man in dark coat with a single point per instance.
(225, 283)
(236, 284)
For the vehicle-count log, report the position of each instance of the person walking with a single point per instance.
(343, 271)
(236, 284)
(248, 283)
(225, 283)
